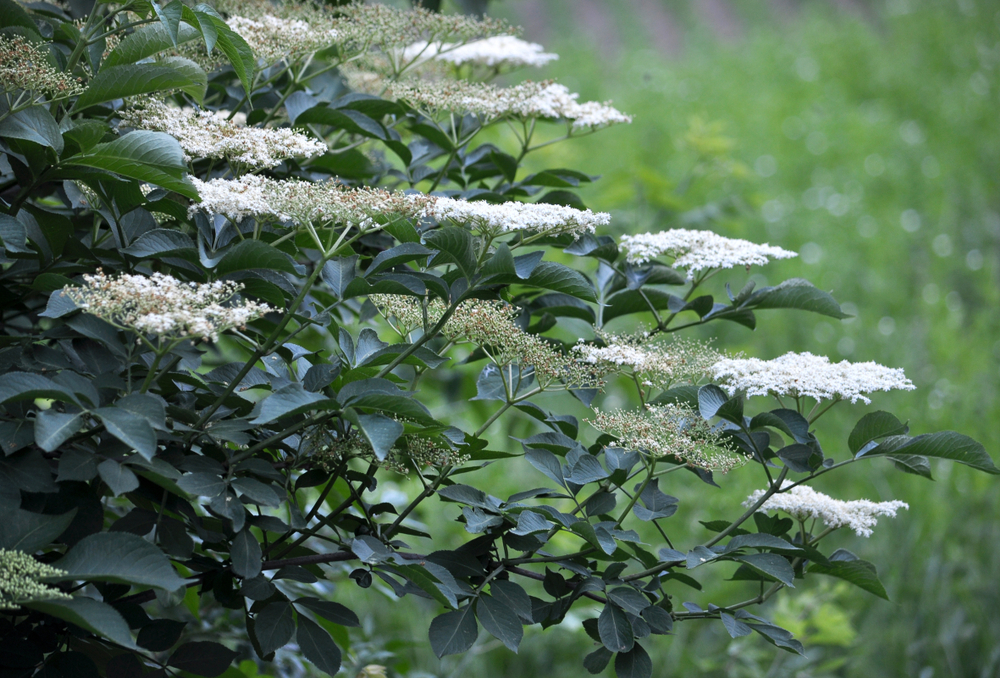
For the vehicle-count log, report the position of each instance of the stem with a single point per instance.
(426, 492)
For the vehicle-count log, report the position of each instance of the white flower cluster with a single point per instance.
(670, 431)
(379, 25)
(209, 134)
(498, 52)
(698, 250)
(517, 216)
(19, 580)
(273, 38)
(652, 363)
(808, 375)
(304, 201)
(526, 100)
(262, 197)
(164, 306)
(803, 502)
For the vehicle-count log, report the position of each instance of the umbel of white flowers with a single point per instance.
(803, 502)
(164, 306)
(499, 52)
(699, 250)
(211, 134)
(807, 375)
(652, 363)
(304, 201)
(19, 580)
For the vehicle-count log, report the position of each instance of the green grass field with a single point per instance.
(868, 142)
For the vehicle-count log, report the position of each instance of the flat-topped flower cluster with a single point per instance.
(699, 250)
(807, 375)
(304, 201)
(165, 307)
(525, 100)
(212, 134)
(498, 52)
(672, 430)
(803, 502)
(653, 363)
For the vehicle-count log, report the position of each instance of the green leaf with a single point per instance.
(845, 565)
(119, 557)
(12, 14)
(160, 635)
(170, 17)
(255, 254)
(13, 235)
(873, 426)
(796, 293)
(941, 445)
(274, 626)
(89, 614)
(615, 629)
(770, 564)
(32, 124)
(53, 428)
(289, 400)
(246, 554)
(455, 246)
(500, 621)
(380, 431)
(146, 42)
(627, 302)
(22, 530)
(28, 386)
(549, 275)
(339, 272)
(912, 463)
(129, 80)
(232, 45)
(161, 242)
(153, 157)
(202, 658)
(353, 122)
(453, 632)
(711, 399)
(117, 477)
(634, 664)
(408, 251)
(318, 647)
(629, 599)
(597, 661)
(333, 612)
(129, 428)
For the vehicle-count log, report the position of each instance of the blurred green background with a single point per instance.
(865, 137)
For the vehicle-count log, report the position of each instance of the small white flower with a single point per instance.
(808, 375)
(803, 502)
(518, 216)
(273, 38)
(698, 250)
(659, 364)
(19, 580)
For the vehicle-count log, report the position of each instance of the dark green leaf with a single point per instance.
(117, 477)
(796, 293)
(941, 445)
(246, 554)
(339, 272)
(380, 431)
(128, 80)
(453, 632)
(146, 42)
(118, 557)
(500, 621)
(401, 254)
(353, 122)
(14, 236)
(770, 564)
(859, 572)
(255, 254)
(873, 426)
(274, 626)
(129, 428)
(52, 428)
(634, 664)
(202, 484)
(153, 157)
(22, 530)
(32, 124)
(549, 275)
(160, 635)
(513, 596)
(628, 599)
(334, 612)
(318, 647)
(161, 242)
(455, 246)
(734, 626)
(615, 629)
(202, 658)
(289, 400)
(89, 614)
(597, 661)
